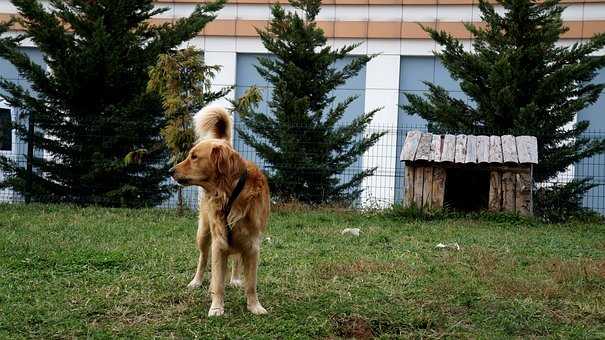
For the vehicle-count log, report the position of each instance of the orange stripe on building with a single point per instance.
(368, 29)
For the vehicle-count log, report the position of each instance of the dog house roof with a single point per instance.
(424, 146)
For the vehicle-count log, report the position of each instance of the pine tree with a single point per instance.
(519, 82)
(91, 107)
(303, 139)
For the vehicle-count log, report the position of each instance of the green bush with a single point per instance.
(563, 202)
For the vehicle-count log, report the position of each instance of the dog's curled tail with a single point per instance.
(213, 122)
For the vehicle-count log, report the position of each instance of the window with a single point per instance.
(6, 133)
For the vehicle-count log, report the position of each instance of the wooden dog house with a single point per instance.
(469, 172)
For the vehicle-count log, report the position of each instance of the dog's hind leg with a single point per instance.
(236, 272)
(203, 244)
(250, 262)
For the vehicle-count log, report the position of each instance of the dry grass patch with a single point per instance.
(328, 270)
(504, 276)
(548, 279)
(574, 271)
(487, 263)
(300, 207)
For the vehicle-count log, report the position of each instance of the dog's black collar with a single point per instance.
(227, 209)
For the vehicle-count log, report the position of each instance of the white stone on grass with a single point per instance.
(455, 246)
(350, 231)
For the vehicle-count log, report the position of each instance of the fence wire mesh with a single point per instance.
(382, 189)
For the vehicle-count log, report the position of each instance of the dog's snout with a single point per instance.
(172, 171)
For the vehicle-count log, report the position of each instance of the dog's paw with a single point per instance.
(216, 311)
(195, 283)
(257, 309)
(236, 283)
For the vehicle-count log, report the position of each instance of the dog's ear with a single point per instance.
(219, 159)
(225, 160)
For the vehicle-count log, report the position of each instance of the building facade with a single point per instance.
(405, 59)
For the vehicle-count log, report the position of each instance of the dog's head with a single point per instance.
(210, 164)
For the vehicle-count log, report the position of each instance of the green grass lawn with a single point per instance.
(74, 272)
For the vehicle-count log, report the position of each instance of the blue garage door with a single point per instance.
(594, 166)
(18, 150)
(413, 71)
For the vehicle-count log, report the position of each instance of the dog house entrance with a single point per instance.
(467, 189)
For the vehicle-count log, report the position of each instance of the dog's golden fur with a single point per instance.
(215, 166)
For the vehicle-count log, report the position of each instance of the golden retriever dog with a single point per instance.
(233, 207)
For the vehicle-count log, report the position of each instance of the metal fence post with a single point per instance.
(30, 157)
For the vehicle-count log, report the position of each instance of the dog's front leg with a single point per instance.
(203, 244)
(217, 284)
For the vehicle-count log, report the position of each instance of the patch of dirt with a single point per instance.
(352, 326)
(396, 329)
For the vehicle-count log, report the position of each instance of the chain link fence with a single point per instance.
(382, 189)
